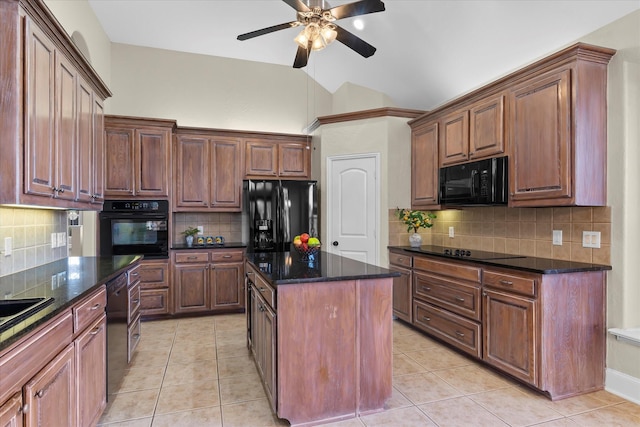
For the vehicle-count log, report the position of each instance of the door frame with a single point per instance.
(376, 213)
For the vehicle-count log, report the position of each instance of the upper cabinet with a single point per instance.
(274, 158)
(549, 118)
(51, 104)
(137, 158)
(207, 170)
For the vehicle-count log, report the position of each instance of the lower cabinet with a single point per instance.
(57, 375)
(155, 296)
(402, 295)
(208, 280)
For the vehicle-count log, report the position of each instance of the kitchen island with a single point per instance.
(321, 334)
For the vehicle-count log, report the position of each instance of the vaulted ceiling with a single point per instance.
(428, 51)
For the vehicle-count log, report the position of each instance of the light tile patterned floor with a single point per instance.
(197, 372)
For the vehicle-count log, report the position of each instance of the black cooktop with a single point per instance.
(462, 253)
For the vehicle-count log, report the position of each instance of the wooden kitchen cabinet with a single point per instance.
(137, 157)
(51, 394)
(277, 159)
(208, 172)
(424, 167)
(454, 138)
(11, 412)
(402, 286)
(46, 121)
(91, 357)
(208, 280)
(155, 292)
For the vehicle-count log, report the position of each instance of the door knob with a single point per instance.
(335, 243)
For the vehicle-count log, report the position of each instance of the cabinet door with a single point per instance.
(402, 295)
(454, 138)
(11, 412)
(269, 358)
(192, 172)
(540, 139)
(98, 151)
(85, 165)
(261, 159)
(294, 160)
(509, 334)
(39, 145)
(424, 166)
(227, 286)
(226, 176)
(51, 394)
(152, 151)
(191, 284)
(486, 128)
(91, 360)
(118, 162)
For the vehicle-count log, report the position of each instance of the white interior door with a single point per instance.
(352, 206)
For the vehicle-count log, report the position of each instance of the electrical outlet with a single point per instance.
(200, 230)
(557, 237)
(54, 281)
(8, 246)
(591, 239)
(54, 240)
(451, 232)
(62, 239)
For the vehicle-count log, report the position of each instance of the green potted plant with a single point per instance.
(189, 233)
(415, 220)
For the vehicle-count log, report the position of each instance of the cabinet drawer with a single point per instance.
(457, 331)
(133, 338)
(133, 275)
(450, 269)
(522, 284)
(90, 309)
(227, 256)
(463, 299)
(154, 275)
(400, 259)
(154, 301)
(265, 290)
(134, 302)
(186, 257)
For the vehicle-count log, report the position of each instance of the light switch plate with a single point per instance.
(591, 239)
(62, 239)
(54, 240)
(452, 232)
(200, 230)
(557, 237)
(8, 246)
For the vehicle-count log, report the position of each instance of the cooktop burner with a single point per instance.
(463, 253)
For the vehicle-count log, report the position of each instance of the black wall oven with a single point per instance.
(130, 227)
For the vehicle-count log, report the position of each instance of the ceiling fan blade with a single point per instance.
(267, 30)
(302, 56)
(358, 8)
(354, 42)
(297, 5)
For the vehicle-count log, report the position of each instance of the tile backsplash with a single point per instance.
(30, 232)
(521, 231)
(227, 225)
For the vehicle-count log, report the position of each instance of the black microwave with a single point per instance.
(483, 182)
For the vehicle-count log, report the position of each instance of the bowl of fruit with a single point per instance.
(306, 246)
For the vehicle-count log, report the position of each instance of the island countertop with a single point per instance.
(67, 281)
(282, 268)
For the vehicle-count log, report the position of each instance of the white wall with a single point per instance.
(623, 176)
(351, 97)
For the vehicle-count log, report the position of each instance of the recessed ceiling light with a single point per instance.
(358, 24)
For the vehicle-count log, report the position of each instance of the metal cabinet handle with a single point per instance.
(460, 334)
(459, 299)
(192, 257)
(95, 330)
(428, 319)
(95, 307)
(136, 336)
(227, 256)
(425, 288)
(135, 301)
(506, 282)
(262, 289)
(135, 274)
(40, 393)
(24, 408)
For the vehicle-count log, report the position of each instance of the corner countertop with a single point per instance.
(67, 281)
(284, 268)
(226, 245)
(522, 263)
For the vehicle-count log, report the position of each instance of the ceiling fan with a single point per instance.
(320, 29)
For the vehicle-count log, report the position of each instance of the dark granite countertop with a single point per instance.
(67, 281)
(226, 245)
(283, 268)
(523, 263)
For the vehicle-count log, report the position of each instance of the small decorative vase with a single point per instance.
(189, 241)
(415, 240)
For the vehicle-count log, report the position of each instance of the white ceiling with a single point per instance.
(429, 51)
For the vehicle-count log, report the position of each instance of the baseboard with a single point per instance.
(623, 385)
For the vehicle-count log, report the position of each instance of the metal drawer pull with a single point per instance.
(506, 282)
(24, 409)
(95, 307)
(95, 330)
(262, 289)
(428, 319)
(135, 274)
(424, 288)
(192, 257)
(136, 336)
(40, 393)
(459, 299)
(460, 334)
(400, 259)
(227, 256)
(135, 301)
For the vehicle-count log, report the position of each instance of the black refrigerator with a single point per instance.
(276, 211)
